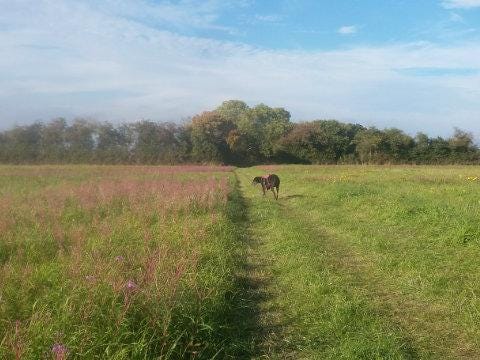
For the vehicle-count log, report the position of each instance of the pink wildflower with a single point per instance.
(131, 286)
(60, 351)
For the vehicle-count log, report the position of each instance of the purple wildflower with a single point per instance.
(60, 351)
(119, 258)
(131, 286)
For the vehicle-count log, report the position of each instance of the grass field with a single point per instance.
(352, 262)
(115, 262)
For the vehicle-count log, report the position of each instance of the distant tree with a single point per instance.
(301, 145)
(321, 141)
(463, 148)
(112, 144)
(53, 141)
(370, 145)
(79, 141)
(276, 127)
(245, 136)
(233, 133)
(170, 137)
(440, 151)
(232, 110)
(257, 131)
(156, 143)
(183, 135)
(22, 144)
(461, 140)
(209, 132)
(421, 152)
(398, 145)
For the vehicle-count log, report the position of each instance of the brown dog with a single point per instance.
(268, 182)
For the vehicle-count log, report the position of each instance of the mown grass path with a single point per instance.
(328, 295)
(309, 311)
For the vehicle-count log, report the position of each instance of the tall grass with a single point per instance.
(114, 262)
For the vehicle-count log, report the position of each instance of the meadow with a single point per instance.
(141, 262)
(115, 262)
(367, 262)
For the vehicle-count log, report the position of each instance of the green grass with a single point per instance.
(373, 262)
(352, 262)
(116, 262)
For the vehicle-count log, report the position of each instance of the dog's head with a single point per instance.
(257, 180)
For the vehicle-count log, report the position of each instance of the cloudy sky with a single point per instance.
(412, 64)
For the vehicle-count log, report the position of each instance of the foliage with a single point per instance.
(209, 132)
(321, 141)
(233, 133)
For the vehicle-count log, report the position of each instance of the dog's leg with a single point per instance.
(263, 188)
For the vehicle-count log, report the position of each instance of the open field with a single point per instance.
(352, 262)
(372, 262)
(114, 262)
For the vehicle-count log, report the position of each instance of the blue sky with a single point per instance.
(408, 64)
(314, 24)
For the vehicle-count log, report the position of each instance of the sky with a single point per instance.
(410, 64)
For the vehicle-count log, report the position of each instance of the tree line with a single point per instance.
(233, 133)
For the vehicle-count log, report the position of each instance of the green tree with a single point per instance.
(232, 110)
(398, 145)
(22, 144)
(257, 133)
(440, 151)
(112, 144)
(463, 148)
(53, 141)
(156, 143)
(276, 127)
(461, 141)
(79, 141)
(369, 145)
(421, 152)
(209, 133)
(321, 141)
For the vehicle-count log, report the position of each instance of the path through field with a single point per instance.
(192, 262)
(327, 284)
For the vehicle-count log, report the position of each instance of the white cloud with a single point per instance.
(195, 14)
(454, 17)
(347, 30)
(272, 18)
(67, 58)
(460, 4)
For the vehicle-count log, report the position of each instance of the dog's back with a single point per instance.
(274, 181)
